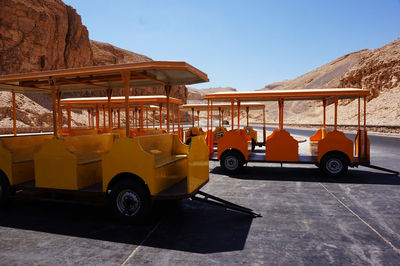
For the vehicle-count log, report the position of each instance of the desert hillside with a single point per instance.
(377, 70)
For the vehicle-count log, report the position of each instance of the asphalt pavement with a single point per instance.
(307, 220)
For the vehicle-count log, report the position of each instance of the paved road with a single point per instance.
(307, 220)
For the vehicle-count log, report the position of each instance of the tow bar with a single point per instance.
(213, 200)
(380, 168)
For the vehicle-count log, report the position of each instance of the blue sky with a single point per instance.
(243, 44)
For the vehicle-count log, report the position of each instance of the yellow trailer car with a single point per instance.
(130, 172)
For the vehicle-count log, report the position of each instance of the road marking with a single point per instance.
(362, 220)
(141, 243)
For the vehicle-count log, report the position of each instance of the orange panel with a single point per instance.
(234, 140)
(362, 145)
(335, 141)
(281, 147)
(320, 134)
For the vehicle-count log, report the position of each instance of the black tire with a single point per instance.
(130, 201)
(4, 191)
(232, 161)
(334, 165)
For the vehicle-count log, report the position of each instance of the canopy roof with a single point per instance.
(223, 106)
(154, 73)
(153, 99)
(311, 94)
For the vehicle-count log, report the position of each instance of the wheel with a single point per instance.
(130, 201)
(253, 144)
(3, 191)
(334, 165)
(232, 161)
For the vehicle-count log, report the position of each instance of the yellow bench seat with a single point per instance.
(167, 159)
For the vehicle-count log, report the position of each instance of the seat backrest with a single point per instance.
(23, 147)
(86, 145)
(156, 144)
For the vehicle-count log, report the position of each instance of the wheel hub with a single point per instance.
(128, 202)
(334, 166)
(231, 162)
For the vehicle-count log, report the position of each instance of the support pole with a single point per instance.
(232, 109)
(88, 112)
(264, 129)
(119, 117)
(359, 115)
(147, 117)
(336, 104)
(14, 108)
(59, 94)
(324, 105)
(92, 116)
(222, 118)
(198, 119)
(208, 114)
(168, 92)
(109, 92)
(238, 110)
(104, 117)
(69, 117)
(141, 115)
(54, 104)
(247, 116)
(173, 118)
(365, 114)
(160, 119)
(193, 118)
(154, 118)
(126, 77)
(281, 103)
(211, 115)
(97, 117)
(134, 117)
(179, 120)
(219, 117)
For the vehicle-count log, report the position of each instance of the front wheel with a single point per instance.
(334, 165)
(232, 161)
(130, 201)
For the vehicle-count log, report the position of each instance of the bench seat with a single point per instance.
(167, 159)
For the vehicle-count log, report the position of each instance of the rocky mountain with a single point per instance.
(377, 70)
(40, 35)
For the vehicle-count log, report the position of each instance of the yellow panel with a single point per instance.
(198, 168)
(6, 163)
(16, 155)
(127, 156)
(23, 172)
(55, 166)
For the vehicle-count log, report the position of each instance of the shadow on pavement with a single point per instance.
(354, 176)
(186, 226)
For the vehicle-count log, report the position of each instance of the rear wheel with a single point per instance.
(130, 201)
(232, 161)
(334, 165)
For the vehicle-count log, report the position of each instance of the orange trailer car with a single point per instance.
(331, 151)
